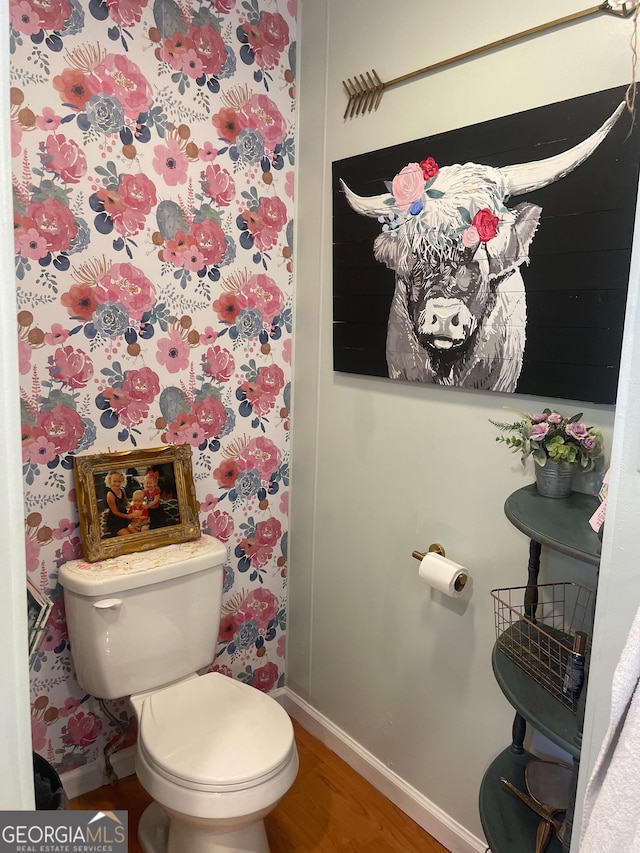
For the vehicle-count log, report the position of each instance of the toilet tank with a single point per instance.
(139, 621)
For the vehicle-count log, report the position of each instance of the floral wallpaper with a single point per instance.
(153, 165)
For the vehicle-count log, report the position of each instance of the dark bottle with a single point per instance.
(574, 673)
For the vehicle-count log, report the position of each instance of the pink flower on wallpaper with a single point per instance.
(268, 532)
(224, 6)
(218, 363)
(170, 162)
(65, 528)
(72, 367)
(209, 47)
(268, 39)
(64, 158)
(32, 554)
(137, 191)
(191, 66)
(173, 352)
(271, 379)
(75, 87)
(208, 503)
(265, 677)
(228, 124)
(281, 646)
(51, 13)
(185, 430)
(226, 473)
(49, 120)
(286, 351)
(210, 240)
(30, 244)
(142, 385)
(208, 336)
(80, 301)
(122, 79)
(257, 554)
(207, 152)
(125, 13)
(71, 705)
(38, 734)
(16, 139)
(220, 524)
(128, 286)
(210, 415)
(284, 503)
(53, 221)
(24, 357)
(57, 335)
(266, 222)
(62, 426)
(40, 451)
(289, 185)
(263, 293)
(263, 455)
(218, 183)
(24, 19)
(263, 115)
(82, 729)
(260, 605)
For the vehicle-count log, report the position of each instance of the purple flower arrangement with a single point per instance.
(551, 435)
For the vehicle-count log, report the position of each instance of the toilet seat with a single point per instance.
(215, 734)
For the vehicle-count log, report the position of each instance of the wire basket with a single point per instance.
(539, 637)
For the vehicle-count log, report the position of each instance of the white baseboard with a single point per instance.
(81, 780)
(425, 813)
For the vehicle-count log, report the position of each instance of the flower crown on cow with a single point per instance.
(459, 219)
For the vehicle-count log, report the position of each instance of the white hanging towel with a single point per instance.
(611, 813)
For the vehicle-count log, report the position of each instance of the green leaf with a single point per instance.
(434, 193)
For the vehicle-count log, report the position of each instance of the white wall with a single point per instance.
(16, 774)
(381, 468)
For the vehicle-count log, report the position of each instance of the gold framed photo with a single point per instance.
(135, 500)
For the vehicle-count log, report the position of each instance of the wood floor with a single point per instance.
(329, 808)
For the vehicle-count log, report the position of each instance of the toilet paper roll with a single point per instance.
(442, 574)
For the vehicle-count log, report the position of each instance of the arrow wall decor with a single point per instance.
(364, 91)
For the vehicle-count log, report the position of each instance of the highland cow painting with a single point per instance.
(495, 257)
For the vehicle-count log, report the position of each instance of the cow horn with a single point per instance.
(376, 205)
(526, 177)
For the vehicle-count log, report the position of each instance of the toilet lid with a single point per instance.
(215, 732)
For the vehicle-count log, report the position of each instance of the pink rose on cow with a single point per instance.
(64, 158)
(486, 224)
(408, 186)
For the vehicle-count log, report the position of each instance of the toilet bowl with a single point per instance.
(215, 754)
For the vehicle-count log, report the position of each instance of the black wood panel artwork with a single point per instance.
(493, 257)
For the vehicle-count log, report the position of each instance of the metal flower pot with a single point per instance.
(555, 479)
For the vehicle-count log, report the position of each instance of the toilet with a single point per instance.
(215, 754)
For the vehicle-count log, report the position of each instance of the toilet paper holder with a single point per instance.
(435, 547)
